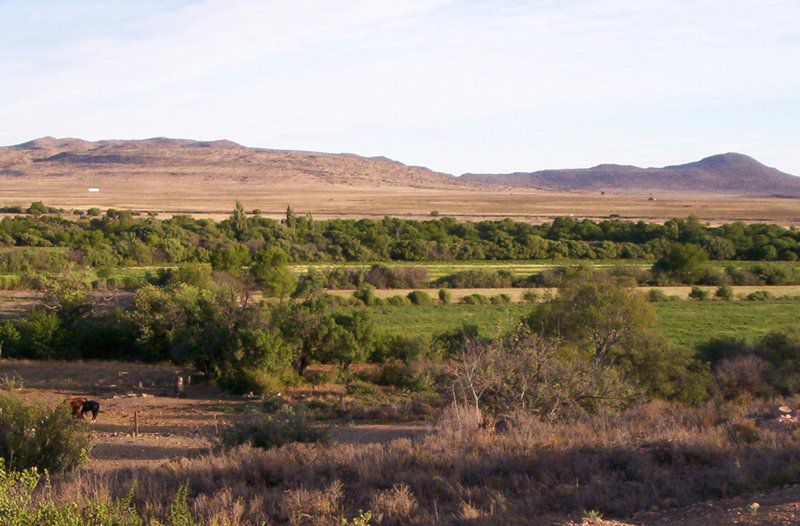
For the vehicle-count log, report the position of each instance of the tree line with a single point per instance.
(116, 238)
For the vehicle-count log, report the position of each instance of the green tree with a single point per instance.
(239, 221)
(309, 285)
(616, 325)
(231, 259)
(596, 310)
(682, 262)
(194, 274)
(38, 208)
(270, 270)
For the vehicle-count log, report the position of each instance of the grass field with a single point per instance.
(690, 323)
(683, 322)
(438, 269)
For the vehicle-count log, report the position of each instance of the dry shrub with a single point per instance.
(312, 506)
(395, 505)
(470, 512)
(617, 464)
(744, 375)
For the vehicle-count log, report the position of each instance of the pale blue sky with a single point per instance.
(453, 85)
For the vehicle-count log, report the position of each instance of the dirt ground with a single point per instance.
(169, 426)
(776, 508)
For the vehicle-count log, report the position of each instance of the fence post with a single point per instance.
(136, 423)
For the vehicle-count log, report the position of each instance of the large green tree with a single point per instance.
(616, 326)
(270, 270)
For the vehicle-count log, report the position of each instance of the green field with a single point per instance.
(683, 322)
(690, 322)
(438, 269)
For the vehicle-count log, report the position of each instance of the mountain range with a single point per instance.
(728, 173)
(47, 157)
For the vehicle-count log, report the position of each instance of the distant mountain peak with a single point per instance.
(728, 173)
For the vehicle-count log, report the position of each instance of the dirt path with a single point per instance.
(776, 508)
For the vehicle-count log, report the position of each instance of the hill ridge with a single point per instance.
(64, 157)
(730, 173)
(725, 173)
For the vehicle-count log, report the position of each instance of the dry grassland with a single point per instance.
(213, 197)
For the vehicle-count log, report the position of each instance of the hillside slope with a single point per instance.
(51, 157)
(729, 173)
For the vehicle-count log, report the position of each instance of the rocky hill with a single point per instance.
(220, 160)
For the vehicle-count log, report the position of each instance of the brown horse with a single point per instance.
(82, 405)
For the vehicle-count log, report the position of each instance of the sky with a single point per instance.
(455, 85)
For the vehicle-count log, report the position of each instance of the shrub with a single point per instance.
(384, 277)
(759, 295)
(555, 276)
(642, 276)
(475, 299)
(230, 259)
(420, 297)
(738, 276)
(724, 293)
(366, 294)
(194, 274)
(323, 505)
(34, 436)
(272, 430)
(530, 296)
(657, 296)
(9, 281)
(406, 375)
(251, 380)
(398, 301)
(698, 293)
(21, 504)
(360, 387)
(771, 274)
(445, 297)
(396, 504)
(500, 299)
(407, 348)
(742, 376)
(406, 361)
(477, 279)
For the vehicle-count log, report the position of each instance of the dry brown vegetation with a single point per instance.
(659, 455)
